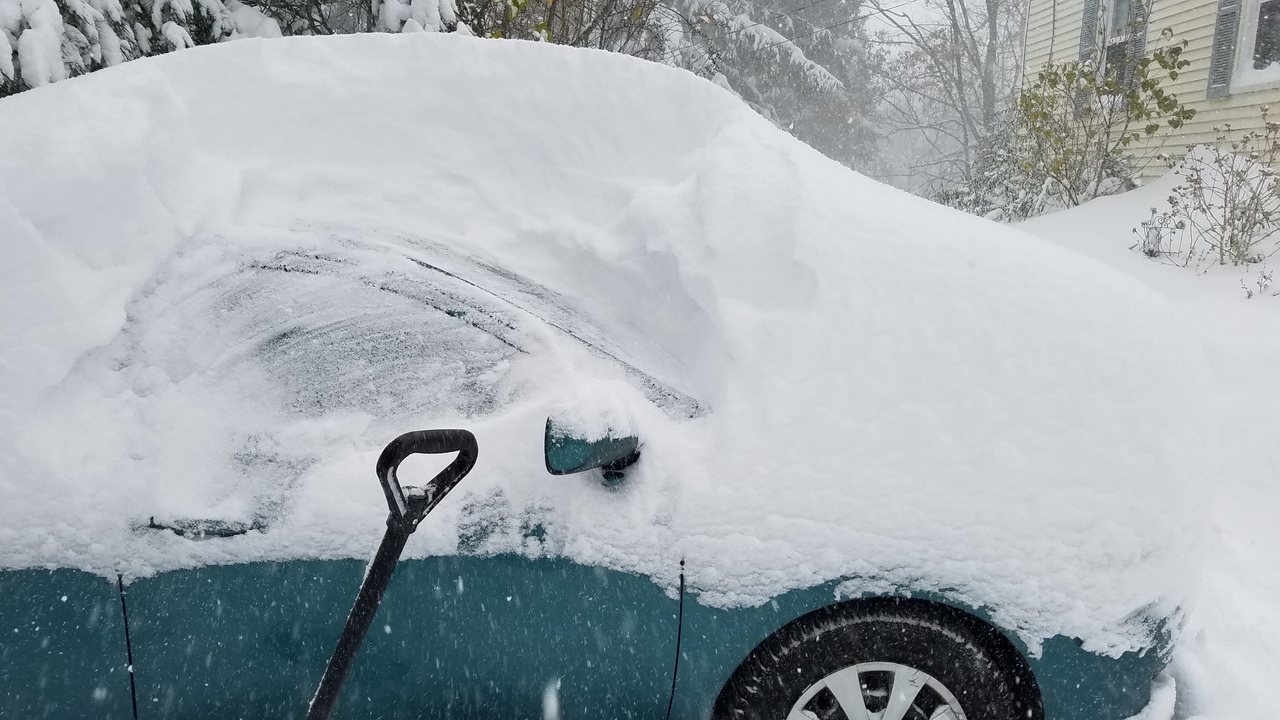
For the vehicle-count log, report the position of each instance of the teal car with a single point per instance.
(503, 631)
(252, 641)
(826, 450)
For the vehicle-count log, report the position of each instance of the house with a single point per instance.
(1233, 47)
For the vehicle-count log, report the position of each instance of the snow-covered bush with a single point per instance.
(1226, 208)
(998, 187)
(414, 16)
(44, 41)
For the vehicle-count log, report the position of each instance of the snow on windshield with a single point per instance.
(296, 253)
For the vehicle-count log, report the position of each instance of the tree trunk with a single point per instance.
(989, 69)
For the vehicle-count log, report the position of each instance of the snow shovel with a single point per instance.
(408, 507)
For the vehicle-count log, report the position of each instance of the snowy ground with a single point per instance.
(1228, 664)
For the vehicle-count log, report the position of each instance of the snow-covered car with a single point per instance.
(894, 461)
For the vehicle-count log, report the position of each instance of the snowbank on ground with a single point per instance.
(882, 388)
(1229, 657)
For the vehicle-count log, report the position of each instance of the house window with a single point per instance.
(1256, 59)
(1119, 16)
(1117, 53)
(1118, 38)
(1266, 43)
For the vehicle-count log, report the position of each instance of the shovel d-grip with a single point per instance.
(408, 507)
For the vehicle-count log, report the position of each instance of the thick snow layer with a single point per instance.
(1229, 657)
(262, 261)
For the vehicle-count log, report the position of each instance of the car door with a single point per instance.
(455, 637)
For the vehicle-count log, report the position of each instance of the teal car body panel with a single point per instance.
(62, 646)
(456, 637)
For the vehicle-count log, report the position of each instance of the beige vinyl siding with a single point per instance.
(1051, 38)
(1192, 20)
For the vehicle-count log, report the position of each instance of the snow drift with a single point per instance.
(206, 255)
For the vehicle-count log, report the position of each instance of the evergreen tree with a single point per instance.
(44, 41)
(800, 64)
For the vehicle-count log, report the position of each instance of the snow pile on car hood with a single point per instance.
(232, 274)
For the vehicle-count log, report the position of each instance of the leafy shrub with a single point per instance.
(1069, 135)
(1078, 124)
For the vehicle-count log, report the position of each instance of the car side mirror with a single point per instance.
(569, 450)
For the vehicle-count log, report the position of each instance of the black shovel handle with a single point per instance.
(407, 510)
(410, 508)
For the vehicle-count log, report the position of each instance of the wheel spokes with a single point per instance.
(944, 712)
(877, 691)
(906, 685)
(846, 686)
(798, 713)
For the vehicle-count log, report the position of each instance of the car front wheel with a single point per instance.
(882, 659)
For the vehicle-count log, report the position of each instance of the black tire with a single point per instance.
(983, 671)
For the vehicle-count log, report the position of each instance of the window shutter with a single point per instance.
(1089, 29)
(1224, 48)
(1137, 39)
(1088, 39)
